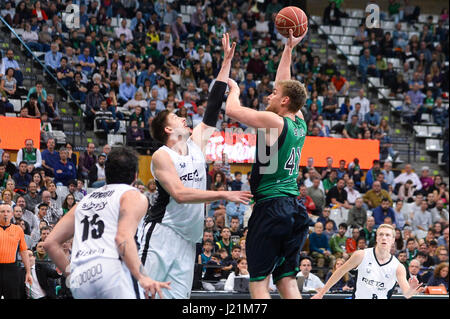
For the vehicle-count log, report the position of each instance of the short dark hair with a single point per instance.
(409, 240)
(23, 162)
(158, 124)
(121, 166)
(344, 225)
(385, 199)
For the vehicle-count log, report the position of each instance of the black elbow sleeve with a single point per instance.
(214, 105)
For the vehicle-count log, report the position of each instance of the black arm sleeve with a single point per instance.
(215, 99)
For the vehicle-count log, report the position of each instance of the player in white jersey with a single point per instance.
(175, 223)
(377, 270)
(104, 262)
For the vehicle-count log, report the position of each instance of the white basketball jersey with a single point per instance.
(185, 219)
(96, 220)
(373, 280)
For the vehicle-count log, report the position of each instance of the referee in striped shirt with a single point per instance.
(12, 240)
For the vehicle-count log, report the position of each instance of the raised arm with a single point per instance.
(133, 206)
(353, 262)
(284, 68)
(165, 173)
(203, 131)
(248, 116)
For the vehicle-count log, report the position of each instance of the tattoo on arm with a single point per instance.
(121, 248)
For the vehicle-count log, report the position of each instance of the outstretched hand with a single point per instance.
(228, 52)
(242, 197)
(292, 42)
(415, 285)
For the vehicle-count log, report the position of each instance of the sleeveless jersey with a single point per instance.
(30, 158)
(375, 281)
(96, 220)
(185, 219)
(278, 176)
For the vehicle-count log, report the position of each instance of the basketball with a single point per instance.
(291, 18)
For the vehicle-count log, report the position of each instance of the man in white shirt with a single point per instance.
(439, 213)
(409, 174)
(124, 30)
(352, 194)
(30, 155)
(312, 282)
(361, 99)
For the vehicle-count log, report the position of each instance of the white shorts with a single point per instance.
(167, 256)
(103, 278)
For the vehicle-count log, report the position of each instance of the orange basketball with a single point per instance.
(291, 18)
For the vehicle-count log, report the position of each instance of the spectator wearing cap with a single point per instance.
(97, 177)
(65, 170)
(409, 174)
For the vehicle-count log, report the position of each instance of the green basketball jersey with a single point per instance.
(277, 176)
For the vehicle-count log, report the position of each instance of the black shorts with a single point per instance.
(276, 232)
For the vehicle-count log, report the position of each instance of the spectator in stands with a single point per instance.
(332, 15)
(53, 58)
(319, 247)
(337, 195)
(374, 196)
(31, 155)
(10, 168)
(406, 191)
(126, 90)
(367, 66)
(422, 220)
(22, 178)
(330, 105)
(8, 87)
(337, 242)
(363, 101)
(352, 193)
(86, 61)
(97, 172)
(383, 211)
(330, 181)
(440, 276)
(135, 134)
(78, 89)
(372, 117)
(10, 62)
(408, 174)
(372, 173)
(340, 83)
(93, 104)
(87, 161)
(317, 194)
(439, 213)
(64, 73)
(352, 129)
(312, 283)
(440, 114)
(357, 215)
(32, 197)
(65, 170)
(307, 201)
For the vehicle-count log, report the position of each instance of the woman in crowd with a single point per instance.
(346, 283)
(37, 178)
(68, 203)
(440, 276)
(240, 272)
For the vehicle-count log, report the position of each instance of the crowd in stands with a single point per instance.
(153, 59)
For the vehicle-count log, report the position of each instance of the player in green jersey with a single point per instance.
(277, 225)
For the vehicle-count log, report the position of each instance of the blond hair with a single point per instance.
(387, 226)
(296, 92)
